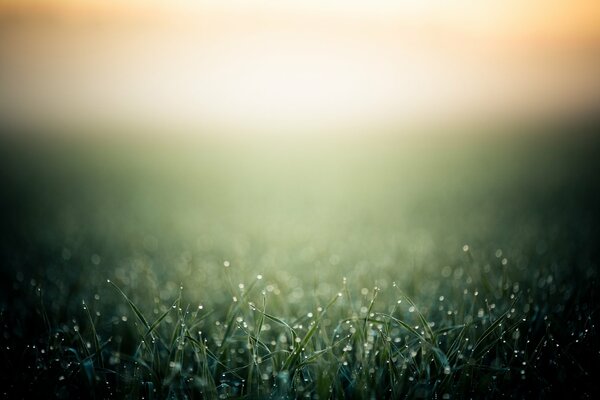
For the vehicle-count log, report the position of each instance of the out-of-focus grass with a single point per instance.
(433, 266)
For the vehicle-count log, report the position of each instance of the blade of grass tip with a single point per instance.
(262, 317)
(388, 349)
(253, 339)
(450, 329)
(83, 344)
(490, 329)
(252, 343)
(158, 321)
(375, 292)
(487, 347)
(176, 306)
(208, 353)
(296, 353)
(441, 356)
(312, 358)
(138, 314)
(182, 332)
(135, 309)
(229, 323)
(426, 327)
(279, 321)
(404, 325)
(199, 346)
(233, 312)
(438, 353)
(257, 341)
(348, 296)
(174, 335)
(537, 349)
(247, 290)
(453, 350)
(199, 320)
(331, 303)
(94, 334)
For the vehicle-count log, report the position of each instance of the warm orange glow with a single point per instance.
(296, 65)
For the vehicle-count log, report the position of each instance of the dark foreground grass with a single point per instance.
(510, 339)
(476, 280)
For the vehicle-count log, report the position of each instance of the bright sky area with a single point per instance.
(296, 65)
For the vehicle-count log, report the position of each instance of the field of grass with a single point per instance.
(433, 266)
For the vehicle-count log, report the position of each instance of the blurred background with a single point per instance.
(157, 144)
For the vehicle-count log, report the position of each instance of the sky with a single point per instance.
(294, 66)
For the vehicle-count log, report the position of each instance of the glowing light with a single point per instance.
(294, 65)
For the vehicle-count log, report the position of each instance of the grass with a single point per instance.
(197, 277)
(467, 343)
